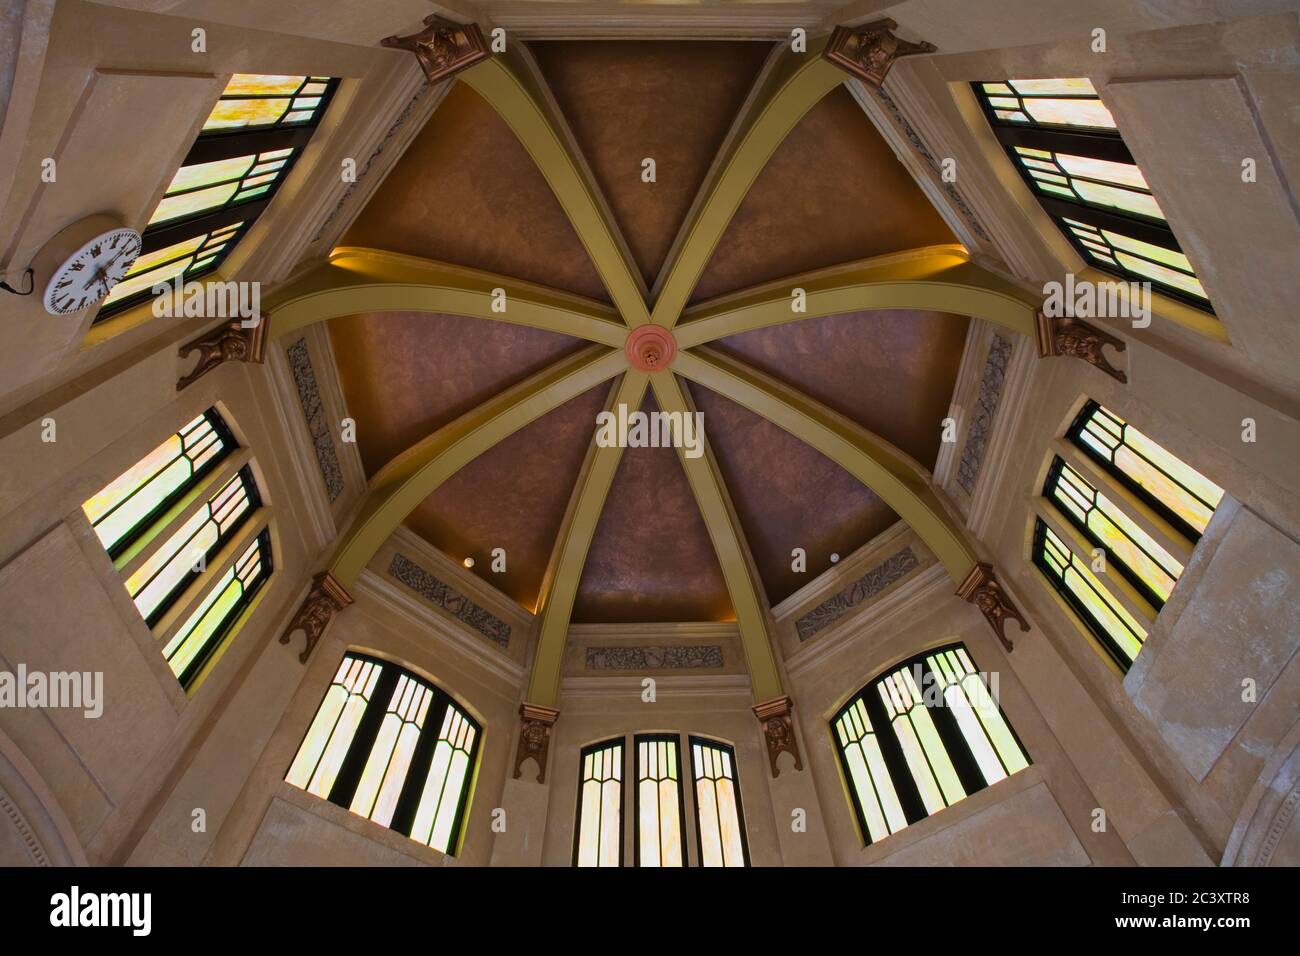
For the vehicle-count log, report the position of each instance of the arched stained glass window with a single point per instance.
(127, 506)
(598, 837)
(719, 819)
(921, 737)
(1064, 143)
(1177, 491)
(393, 748)
(1118, 631)
(247, 146)
(1139, 557)
(660, 811)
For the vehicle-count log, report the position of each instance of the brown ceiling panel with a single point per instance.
(832, 192)
(651, 558)
(466, 191)
(513, 497)
(787, 495)
(406, 374)
(890, 371)
(672, 101)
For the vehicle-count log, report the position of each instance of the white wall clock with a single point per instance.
(102, 251)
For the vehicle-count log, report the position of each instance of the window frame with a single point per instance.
(674, 740)
(963, 758)
(1093, 144)
(210, 146)
(356, 756)
(691, 741)
(597, 747)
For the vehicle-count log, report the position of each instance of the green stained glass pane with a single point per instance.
(187, 204)
(204, 624)
(207, 174)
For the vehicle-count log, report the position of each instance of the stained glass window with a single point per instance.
(922, 736)
(660, 813)
(1116, 630)
(129, 505)
(207, 628)
(1065, 144)
(598, 839)
(393, 748)
(247, 146)
(1178, 492)
(719, 819)
(1147, 565)
(184, 555)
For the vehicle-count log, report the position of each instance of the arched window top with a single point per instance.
(1065, 144)
(920, 737)
(249, 143)
(392, 747)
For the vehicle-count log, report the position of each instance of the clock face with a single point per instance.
(89, 273)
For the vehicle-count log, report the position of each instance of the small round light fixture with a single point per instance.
(468, 562)
(834, 558)
(650, 348)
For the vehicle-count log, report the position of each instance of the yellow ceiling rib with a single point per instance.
(417, 472)
(512, 86)
(796, 83)
(357, 280)
(938, 278)
(729, 543)
(570, 553)
(897, 479)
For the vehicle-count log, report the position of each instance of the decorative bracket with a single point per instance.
(534, 737)
(982, 589)
(1060, 335)
(229, 342)
(869, 50)
(778, 731)
(443, 48)
(325, 599)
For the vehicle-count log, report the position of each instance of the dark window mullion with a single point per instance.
(1144, 230)
(954, 741)
(418, 772)
(363, 741)
(208, 149)
(900, 775)
(179, 231)
(1092, 145)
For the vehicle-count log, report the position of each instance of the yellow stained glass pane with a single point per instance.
(1159, 253)
(234, 114)
(1169, 277)
(100, 504)
(1126, 199)
(318, 736)
(262, 84)
(147, 262)
(199, 630)
(1089, 113)
(1123, 174)
(146, 280)
(1069, 86)
(206, 174)
(126, 516)
(187, 204)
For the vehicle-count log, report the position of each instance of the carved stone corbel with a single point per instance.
(535, 723)
(869, 50)
(325, 599)
(229, 342)
(778, 731)
(982, 589)
(443, 48)
(1060, 335)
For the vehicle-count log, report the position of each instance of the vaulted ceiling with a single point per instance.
(467, 192)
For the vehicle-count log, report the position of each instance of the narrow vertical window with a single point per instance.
(1064, 143)
(1177, 491)
(249, 143)
(719, 819)
(659, 802)
(1118, 632)
(127, 506)
(392, 748)
(599, 830)
(921, 737)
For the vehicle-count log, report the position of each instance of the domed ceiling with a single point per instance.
(467, 192)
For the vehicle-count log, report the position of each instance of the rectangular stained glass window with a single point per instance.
(1064, 142)
(212, 621)
(1175, 490)
(184, 555)
(659, 804)
(921, 737)
(719, 819)
(598, 839)
(249, 143)
(392, 748)
(129, 505)
(1147, 565)
(1118, 631)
